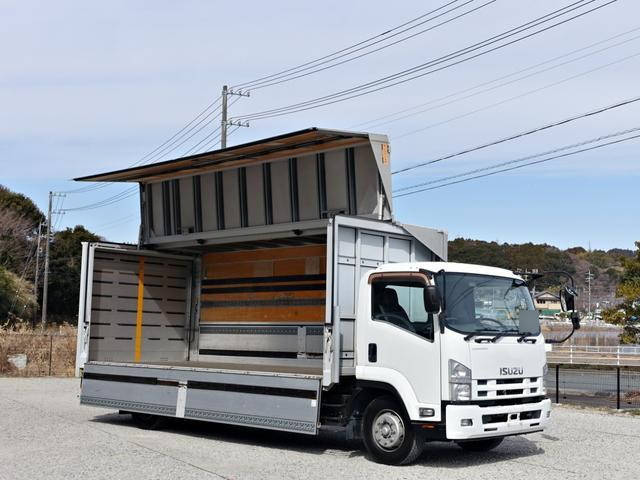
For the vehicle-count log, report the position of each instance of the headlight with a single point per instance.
(459, 381)
(458, 373)
(460, 392)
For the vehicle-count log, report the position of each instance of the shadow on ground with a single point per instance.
(436, 454)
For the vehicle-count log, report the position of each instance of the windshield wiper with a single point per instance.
(486, 331)
(503, 333)
(523, 338)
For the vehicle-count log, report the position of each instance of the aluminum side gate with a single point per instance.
(256, 399)
(135, 305)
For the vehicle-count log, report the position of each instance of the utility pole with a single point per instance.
(45, 287)
(225, 122)
(37, 273)
(589, 277)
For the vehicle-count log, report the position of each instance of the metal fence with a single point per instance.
(33, 354)
(587, 355)
(611, 386)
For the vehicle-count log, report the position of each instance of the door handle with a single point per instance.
(373, 352)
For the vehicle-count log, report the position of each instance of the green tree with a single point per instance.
(627, 313)
(20, 204)
(19, 219)
(64, 277)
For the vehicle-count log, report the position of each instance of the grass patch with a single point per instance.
(51, 351)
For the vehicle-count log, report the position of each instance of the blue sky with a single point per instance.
(87, 87)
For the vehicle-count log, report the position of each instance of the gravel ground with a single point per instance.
(45, 433)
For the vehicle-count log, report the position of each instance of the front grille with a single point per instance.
(506, 388)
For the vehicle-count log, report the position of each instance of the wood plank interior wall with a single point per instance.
(273, 285)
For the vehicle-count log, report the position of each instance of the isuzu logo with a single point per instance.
(511, 371)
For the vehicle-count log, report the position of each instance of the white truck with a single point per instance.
(255, 315)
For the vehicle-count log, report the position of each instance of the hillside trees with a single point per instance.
(525, 256)
(627, 314)
(19, 220)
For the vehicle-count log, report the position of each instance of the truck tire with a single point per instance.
(388, 434)
(481, 445)
(147, 421)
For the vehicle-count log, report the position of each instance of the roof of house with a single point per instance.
(545, 295)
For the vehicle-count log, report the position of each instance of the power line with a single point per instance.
(408, 74)
(522, 95)
(161, 149)
(291, 70)
(372, 124)
(107, 201)
(613, 142)
(293, 76)
(116, 221)
(218, 128)
(519, 135)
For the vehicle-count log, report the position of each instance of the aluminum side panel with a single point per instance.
(278, 402)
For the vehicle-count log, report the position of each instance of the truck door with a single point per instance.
(356, 246)
(135, 305)
(398, 342)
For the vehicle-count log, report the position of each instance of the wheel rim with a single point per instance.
(388, 430)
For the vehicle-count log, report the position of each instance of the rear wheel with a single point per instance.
(388, 434)
(481, 445)
(148, 421)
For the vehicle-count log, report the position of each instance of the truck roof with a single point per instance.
(453, 267)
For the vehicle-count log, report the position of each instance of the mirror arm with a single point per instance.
(575, 322)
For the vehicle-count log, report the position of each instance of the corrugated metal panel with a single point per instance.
(307, 188)
(336, 181)
(298, 189)
(158, 216)
(255, 196)
(280, 194)
(187, 213)
(231, 199)
(208, 199)
(366, 181)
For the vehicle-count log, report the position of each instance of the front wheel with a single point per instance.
(388, 434)
(480, 445)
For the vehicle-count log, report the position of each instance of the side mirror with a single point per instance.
(568, 299)
(431, 299)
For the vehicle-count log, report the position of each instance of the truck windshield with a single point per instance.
(481, 303)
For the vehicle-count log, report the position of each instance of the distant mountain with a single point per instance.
(605, 266)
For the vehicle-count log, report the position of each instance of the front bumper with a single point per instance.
(496, 421)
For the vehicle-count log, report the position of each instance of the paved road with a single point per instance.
(44, 433)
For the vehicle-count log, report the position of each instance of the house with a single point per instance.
(547, 303)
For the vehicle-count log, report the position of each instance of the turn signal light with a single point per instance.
(427, 412)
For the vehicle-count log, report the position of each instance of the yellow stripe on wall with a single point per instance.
(138, 344)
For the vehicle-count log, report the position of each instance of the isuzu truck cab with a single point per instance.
(272, 287)
(462, 348)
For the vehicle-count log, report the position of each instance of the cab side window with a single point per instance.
(401, 303)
